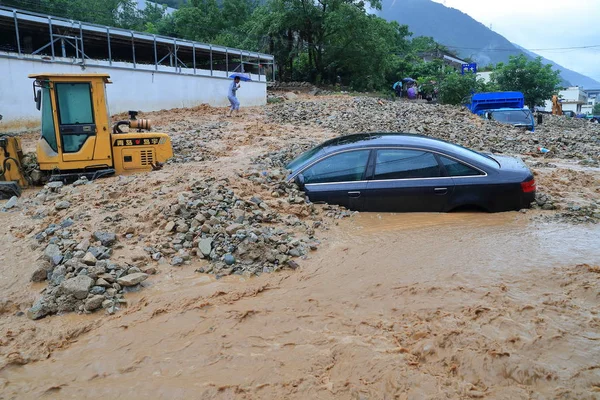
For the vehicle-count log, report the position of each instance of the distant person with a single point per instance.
(412, 93)
(231, 95)
(398, 88)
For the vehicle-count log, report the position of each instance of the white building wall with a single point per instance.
(142, 89)
(486, 76)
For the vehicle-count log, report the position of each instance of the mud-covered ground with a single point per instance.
(379, 306)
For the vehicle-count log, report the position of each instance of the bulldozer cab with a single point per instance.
(75, 122)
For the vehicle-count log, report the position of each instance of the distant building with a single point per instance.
(141, 5)
(486, 76)
(447, 58)
(593, 98)
(573, 98)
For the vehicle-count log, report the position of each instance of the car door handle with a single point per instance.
(354, 194)
(440, 191)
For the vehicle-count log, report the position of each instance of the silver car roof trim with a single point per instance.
(327, 155)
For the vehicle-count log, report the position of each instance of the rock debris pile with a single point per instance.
(80, 275)
(566, 138)
(190, 144)
(246, 235)
(79, 272)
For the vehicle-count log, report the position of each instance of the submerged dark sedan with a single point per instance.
(404, 172)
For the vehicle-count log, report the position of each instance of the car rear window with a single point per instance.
(473, 155)
(455, 168)
(405, 164)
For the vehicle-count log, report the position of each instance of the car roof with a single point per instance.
(384, 139)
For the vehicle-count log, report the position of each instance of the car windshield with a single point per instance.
(514, 117)
(473, 155)
(304, 157)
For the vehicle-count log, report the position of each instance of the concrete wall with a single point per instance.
(142, 89)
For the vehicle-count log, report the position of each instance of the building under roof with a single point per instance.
(31, 35)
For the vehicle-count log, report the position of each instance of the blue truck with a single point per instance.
(504, 107)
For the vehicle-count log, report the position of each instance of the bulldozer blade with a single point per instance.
(9, 189)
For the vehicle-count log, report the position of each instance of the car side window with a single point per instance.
(405, 164)
(456, 168)
(344, 167)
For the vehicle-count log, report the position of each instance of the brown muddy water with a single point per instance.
(421, 306)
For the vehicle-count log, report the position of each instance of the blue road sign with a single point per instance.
(472, 67)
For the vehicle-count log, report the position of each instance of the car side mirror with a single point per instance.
(38, 99)
(299, 180)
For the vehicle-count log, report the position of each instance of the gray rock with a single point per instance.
(67, 223)
(58, 275)
(233, 228)
(229, 259)
(77, 287)
(51, 251)
(38, 310)
(89, 259)
(183, 228)
(177, 261)
(94, 302)
(106, 238)
(11, 203)
(170, 226)
(84, 245)
(205, 246)
(62, 205)
(55, 185)
(56, 260)
(103, 283)
(132, 279)
(97, 290)
(133, 270)
(41, 272)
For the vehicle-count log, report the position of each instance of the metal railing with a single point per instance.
(79, 32)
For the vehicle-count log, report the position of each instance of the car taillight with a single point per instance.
(528, 186)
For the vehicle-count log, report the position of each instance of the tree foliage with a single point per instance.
(596, 110)
(538, 82)
(320, 41)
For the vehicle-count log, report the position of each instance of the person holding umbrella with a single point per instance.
(231, 95)
(397, 88)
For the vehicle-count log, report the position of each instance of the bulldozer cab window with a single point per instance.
(76, 115)
(48, 120)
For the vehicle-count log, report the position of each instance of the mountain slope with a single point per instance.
(567, 74)
(463, 34)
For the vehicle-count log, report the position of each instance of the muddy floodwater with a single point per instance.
(421, 306)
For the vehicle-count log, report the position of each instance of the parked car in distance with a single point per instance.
(410, 173)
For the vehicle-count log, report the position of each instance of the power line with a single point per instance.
(517, 49)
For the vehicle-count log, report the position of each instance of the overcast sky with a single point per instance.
(543, 24)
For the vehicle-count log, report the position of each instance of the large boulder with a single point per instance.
(78, 286)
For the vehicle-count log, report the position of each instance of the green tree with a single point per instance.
(456, 88)
(596, 110)
(538, 82)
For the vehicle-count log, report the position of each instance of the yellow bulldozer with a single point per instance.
(77, 138)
